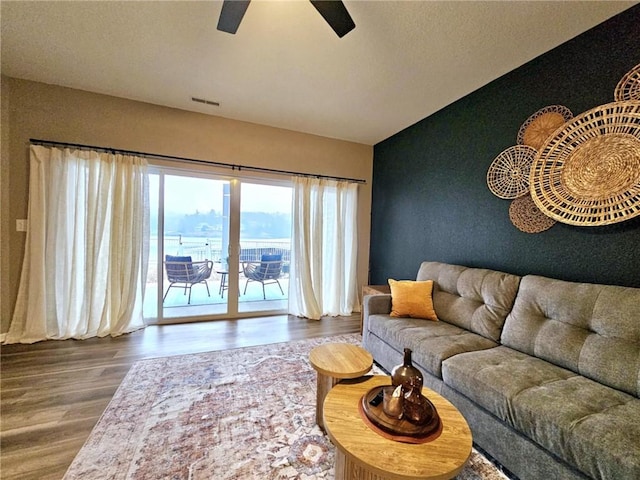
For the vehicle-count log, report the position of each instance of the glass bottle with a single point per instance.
(416, 408)
(406, 374)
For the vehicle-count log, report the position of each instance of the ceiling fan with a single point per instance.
(333, 11)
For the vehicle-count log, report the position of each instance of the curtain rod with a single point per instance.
(193, 160)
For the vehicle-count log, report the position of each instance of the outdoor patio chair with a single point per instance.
(266, 271)
(183, 271)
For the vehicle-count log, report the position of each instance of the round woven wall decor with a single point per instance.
(589, 173)
(539, 126)
(527, 217)
(628, 87)
(508, 175)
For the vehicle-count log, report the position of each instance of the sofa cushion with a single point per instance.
(587, 424)
(590, 329)
(431, 342)
(412, 299)
(475, 299)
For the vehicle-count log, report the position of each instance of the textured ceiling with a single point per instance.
(285, 67)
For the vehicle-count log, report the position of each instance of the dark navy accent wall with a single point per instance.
(430, 196)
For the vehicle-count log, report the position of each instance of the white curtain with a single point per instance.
(84, 268)
(323, 277)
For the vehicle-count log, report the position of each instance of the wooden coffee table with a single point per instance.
(335, 361)
(363, 454)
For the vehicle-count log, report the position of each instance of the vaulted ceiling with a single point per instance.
(285, 67)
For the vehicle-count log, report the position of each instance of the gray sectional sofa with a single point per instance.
(546, 372)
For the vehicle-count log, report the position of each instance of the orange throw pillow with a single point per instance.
(412, 299)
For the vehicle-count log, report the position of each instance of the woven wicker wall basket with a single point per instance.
(508, 174)
(527, 217)
(628, 87)
(538, 127)
(588, 173)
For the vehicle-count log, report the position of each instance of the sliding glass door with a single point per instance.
(265, 246)
(219, 247)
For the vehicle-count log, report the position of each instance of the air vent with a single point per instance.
(206, 102)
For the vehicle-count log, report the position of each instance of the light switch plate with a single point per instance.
(21, 225)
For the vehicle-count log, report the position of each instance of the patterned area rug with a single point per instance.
(236, 414)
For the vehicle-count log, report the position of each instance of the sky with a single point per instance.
(188, 194)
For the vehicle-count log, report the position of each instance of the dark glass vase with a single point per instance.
(416, 407)
(406, 374)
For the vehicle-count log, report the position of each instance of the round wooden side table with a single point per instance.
(363, 454)
(333, 362)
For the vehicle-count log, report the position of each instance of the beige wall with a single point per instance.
(37, 110)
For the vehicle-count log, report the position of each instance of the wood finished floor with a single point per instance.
(53, 393)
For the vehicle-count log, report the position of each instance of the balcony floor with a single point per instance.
(176, 306)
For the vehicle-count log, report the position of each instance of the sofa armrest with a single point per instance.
(376, 304)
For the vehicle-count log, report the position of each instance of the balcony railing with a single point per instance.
(209, 249)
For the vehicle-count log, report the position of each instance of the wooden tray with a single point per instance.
(399, 430)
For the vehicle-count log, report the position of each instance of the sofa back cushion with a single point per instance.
(475, 299)
(591, 329)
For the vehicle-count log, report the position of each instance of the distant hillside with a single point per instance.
(252, 224)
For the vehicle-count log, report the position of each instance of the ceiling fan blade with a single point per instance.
(336, 15)
(231, 15)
